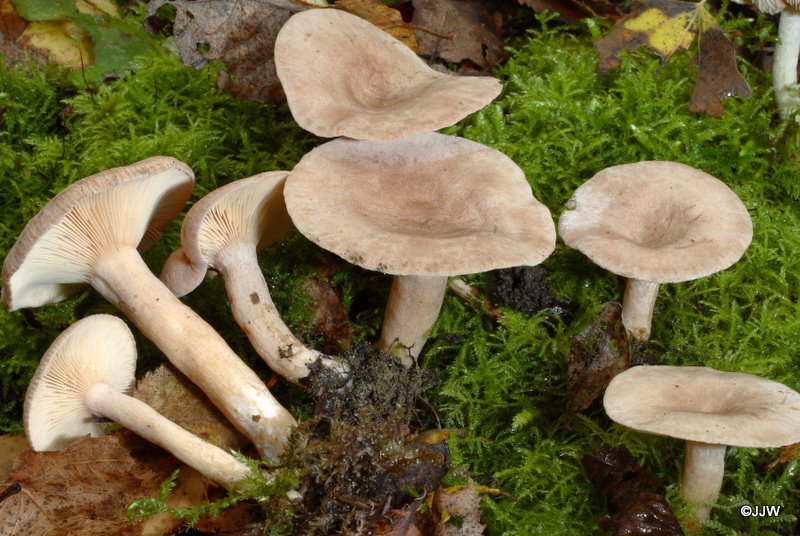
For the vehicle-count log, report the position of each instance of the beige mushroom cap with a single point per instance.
(248, 210)
(424, 205)
(96, 350)
(345, 77)
(662, 222)
(705, 405)
(53, 256)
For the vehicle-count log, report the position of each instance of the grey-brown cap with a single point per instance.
(98, 349)
(705, 405)
(424, 205)
(345, 77)
(53, 256)
(656, 221)
(249, 210)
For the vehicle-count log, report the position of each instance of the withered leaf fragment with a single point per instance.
(458, 31)
(84, 489)
(597, 354)
(637, 495)
(666, 26)
(717, 75)
(241, 33)
(384, 17)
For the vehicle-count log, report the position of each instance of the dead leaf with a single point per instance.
(597, 354)
(666, 26)
(331, 321)
(84, 489)
(637, 495)
(464, 504)
(788, 453)
(718, 76)
(11, 446)
(384, 17)
(170, 393)
(11, 27)
(458, 31)
(241, 33)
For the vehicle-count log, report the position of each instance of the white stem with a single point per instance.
(411, 310)
(138, 417)
(260, 320)
(637, 308)
(703, 470)
(784, 64)
(193, 346)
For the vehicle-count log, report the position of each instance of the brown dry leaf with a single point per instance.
(384, 17)
(666, 26)
(84, 489)
(458, 31)
(241, 33)
(717, 74)
(331, 321)
(11, 446)
(170, 393)
(597, 354)
(11, 28)
(464, 504)
(637, 495)
(788, 453)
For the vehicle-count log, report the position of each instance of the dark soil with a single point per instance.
(358, 453)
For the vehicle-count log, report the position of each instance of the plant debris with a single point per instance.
(597, 354)
(459, 31)
(241, 33)
(637, 495)
(666, 26)
(358, 454)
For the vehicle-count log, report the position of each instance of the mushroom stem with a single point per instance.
(135, 415)
(784, 66)
(703, 470)
(411, 310)
(258, 317)
(195, 348)
(637, 308)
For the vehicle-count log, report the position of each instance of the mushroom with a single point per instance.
(709, 409)
(89, 233)
(223, 232)
(654, 223)
(421, 208)
(345, 77)
(787, 52)
(88, 373)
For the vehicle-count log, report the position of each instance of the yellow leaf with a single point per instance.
(61, 41)
(664, 34)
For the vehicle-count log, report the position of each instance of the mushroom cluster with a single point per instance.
(388, 194)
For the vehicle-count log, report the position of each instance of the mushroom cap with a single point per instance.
(662, 222)
(125, 206)
(705, 405)
(248, 210)
(424, 205)
(345, 77)
(97, 349)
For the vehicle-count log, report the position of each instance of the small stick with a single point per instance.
(472, 296)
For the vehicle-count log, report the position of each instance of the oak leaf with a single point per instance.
(666, 26)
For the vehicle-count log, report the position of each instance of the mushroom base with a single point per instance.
(703, 470)
(411, 310)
